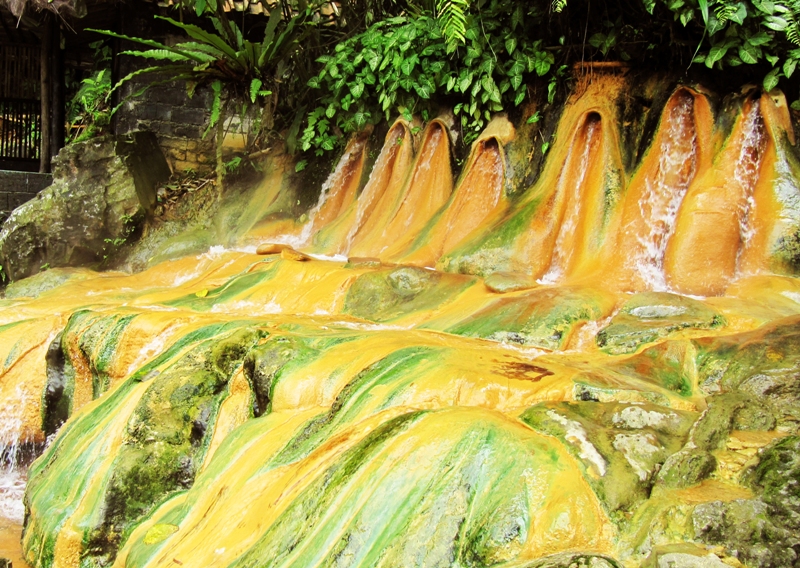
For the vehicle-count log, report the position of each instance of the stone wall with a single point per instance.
(18, 187)
(177, 120)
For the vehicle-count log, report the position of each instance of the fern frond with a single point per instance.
(451, 15)
(558, 5)
(724, 12)
(165, 55)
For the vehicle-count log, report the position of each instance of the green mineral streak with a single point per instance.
(376, 507)
(62, 474)
(669, 364)
(13, 353)
(97, 336)
(385, 295)
(157, 457)
(542, 318)
(236, 288)
(651, 316)
(492, 253)
(397, 370)
(307, 510)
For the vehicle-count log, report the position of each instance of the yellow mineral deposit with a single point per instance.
(428, 188)
(552, 394)
(479, 198)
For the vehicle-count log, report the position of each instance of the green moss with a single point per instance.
(541, 318)
(686, 468)
(387, 294)
(651, 316)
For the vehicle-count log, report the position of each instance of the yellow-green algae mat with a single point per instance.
(255, 411)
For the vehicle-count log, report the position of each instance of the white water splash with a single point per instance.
(664, 193)
(561, 253)
(746, 173)
(12, 473)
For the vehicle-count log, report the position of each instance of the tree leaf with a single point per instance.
(511, 44)
(771, 80)
(789, 66)
(749, 53)
(715, 54)
(255, 86)
(356, 89)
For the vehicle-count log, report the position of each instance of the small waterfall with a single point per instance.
(12, 450)
(383, 173)
(746, 173)
(664, 192)
(563, 251)
(415, 203)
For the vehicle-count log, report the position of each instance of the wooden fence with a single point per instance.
(20, 128)
(20, 108)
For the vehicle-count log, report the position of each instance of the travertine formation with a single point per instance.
(590, 365)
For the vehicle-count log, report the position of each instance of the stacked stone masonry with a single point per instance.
(18, 187)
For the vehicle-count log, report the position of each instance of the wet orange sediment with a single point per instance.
(11, 543)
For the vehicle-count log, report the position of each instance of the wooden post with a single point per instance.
(57, 101)
(45, 92)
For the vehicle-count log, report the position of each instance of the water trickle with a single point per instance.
(746, 172)
(664, 192)
(12, 468)
(379, 179)
(562, 251)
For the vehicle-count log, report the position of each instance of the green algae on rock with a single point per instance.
(651, 316)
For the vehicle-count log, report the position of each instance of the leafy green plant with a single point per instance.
(408, 65)
(89, 111)
(239, 72)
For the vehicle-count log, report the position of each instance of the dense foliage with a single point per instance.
(340, 66)
(478, 57)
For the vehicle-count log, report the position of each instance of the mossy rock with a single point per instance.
(166, 436)
(34, 286)
(541, 318)
(651, 316)
(621, 446)
(387, 294)
(686, 468)
(763, 532)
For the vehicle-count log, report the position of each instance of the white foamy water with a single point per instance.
(370, 193)
(746, 172)
(12, 473)
(664, 193)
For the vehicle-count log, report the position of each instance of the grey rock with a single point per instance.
(101, 192)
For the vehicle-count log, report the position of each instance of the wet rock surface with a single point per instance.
(100, 193)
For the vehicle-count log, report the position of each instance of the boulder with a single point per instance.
(101, 192)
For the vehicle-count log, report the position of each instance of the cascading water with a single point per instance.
(562, 252)
(746, 173)
(664, 192)
(12, 467)
(241, 410)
